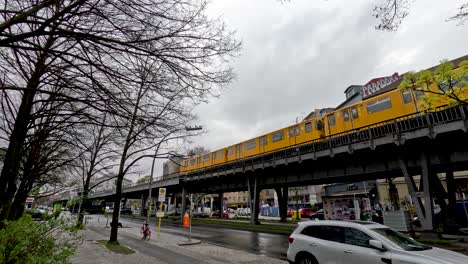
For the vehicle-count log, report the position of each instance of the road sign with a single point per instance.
(162, 195)
(159, 214)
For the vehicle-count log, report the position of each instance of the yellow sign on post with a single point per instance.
(160, 214)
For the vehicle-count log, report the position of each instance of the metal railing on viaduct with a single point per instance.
(418, 144)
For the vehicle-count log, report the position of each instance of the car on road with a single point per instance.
(319, 215)
(354, 242)
(306, 212)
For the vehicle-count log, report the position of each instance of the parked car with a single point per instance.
(38, 214)
(216, 214)
(306, 212)
(126, 211)
(355, 242)
(319, 215)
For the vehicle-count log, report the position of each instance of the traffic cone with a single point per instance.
(186, 222)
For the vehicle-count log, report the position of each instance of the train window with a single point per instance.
(443, 86)
(192, 162)
(199, 160)
(319, 125)
(220, 154)
(230, 150)
(308, 127)
(264, 141)
(354, 113)
(406, 97)
(419, 94)
(186, 163)
(291, 131)
(250, 144)
(213, 155)
(331, 120)
(346, 115)
(206, 157)
(379, 105)
(277, 136)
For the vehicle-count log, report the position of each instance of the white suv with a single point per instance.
(361, 242)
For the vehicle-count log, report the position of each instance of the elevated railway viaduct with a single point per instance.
(419, 144)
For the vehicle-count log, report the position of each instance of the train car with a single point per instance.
(219, 156)
(380, 108)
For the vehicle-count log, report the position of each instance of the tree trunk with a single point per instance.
(12, 160)
(120, 176)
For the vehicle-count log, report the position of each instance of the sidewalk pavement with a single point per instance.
(164, 249)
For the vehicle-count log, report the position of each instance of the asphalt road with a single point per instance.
(271, 245)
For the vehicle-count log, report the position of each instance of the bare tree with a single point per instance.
(391, 14)
(197, 151)
(88, 46)
(96, 158)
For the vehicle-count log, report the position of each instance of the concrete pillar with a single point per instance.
(254, 195)
(211, 203)
(428, 206)
(451, 192)
(143, 205)
(221, 205)
(282, 193)
(184, 202)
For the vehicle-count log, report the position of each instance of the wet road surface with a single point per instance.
(271, 245)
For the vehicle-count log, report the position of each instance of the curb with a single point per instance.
(189, 242)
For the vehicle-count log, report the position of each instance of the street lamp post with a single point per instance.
(148, 213)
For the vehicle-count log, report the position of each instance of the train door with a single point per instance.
(293, 134)
(347, 120)
(239, 151)
(262, 144)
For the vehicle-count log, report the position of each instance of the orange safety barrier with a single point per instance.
(186, 222)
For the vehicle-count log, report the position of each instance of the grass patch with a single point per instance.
(247, 225)
(435, 241)
(116, 247)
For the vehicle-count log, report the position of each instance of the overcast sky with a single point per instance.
(302, 55)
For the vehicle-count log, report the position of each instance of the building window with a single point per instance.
(379, 105)
(354, 113)
(346, 115)
(331, 120)
(277, 136)
(406, 97)
(264, 141)
(250, 144)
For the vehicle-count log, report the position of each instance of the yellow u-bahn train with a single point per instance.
(374, 110)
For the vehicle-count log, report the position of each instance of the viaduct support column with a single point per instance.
(143, 205)
(184, 202)
(254, 193)
(221, 205)
(451, 192)
(427, 192)
(282, 193)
